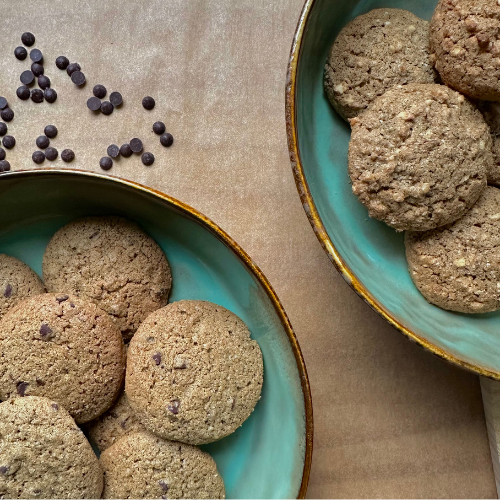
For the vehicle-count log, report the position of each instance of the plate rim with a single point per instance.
(316, 222)
(242, 255)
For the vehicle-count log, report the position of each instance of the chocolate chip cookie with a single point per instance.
(43, 454)
(64, 348)
(193, 373)
(418, 156)
(161, 469)
(373, 53)
(111, 262)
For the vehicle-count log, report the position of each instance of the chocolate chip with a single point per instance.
(4, 469)
(50, 95)
(3, 103)
(483, 39)
(43, 82)
(51, 154)
(8, 142)
(27, 77)
(158, 128)
(23, 92)
(28, 39)
(38, 157)
(36, 55)
(72, 68)
(45, 331)
(125, 150)
(233, 404)
(167, 139)
(136, 145)
(157, 358)
(93, 235)
(123, 424)
(42, 142)
(113, 150)
(37, 492)
(21, 388)
(71, 304)
(67, 155)
(78, 78)
(148, 159)
(62, 298)
(116, 99)
(148, 103)
(7, 115)
(3, 129)
(4, 166)
(21, 53)
(37, 96)
(37, 69)
(62, 62)
(105, 162)
(174, 406)
(50, 131)
(100, 91)
(40, 382)
(8, 291)
(2, 154)
(106, 108)
(94, 104)
(163, 485)
(55, 406)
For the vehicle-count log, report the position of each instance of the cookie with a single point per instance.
(17, 282)
(457, 267)
(193, 373)
(43, 454)
(64, 348)
(373, 53)
(141, 465)
(118, 421)
(111, 262)
(491, 114)
(465, 43)
(418, 156)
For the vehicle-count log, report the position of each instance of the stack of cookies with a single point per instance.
(192, 373)
(425, 157)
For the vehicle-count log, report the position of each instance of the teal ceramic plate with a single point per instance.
(369, 254)
(270, 455)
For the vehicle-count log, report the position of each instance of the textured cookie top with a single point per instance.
(418, 156)
(113, 263)
(457, 267)
(17, 282)
(43, 454)
(161, 469)
(465, 42)
(64, 348)
(491, 114)
(193, 372)
(374, 52)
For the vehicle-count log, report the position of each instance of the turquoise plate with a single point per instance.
(270, 455)
(368, 253)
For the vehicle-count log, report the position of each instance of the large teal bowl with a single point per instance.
(270, 455)
(368, 253)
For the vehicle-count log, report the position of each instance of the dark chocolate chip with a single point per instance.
(40, 382)
(3, 103)
(99, 91)
(125, 150)
(113, 150)
(72, 68)
(62, 62)
(233, 404)
(94, 104)
(21, 53)
(2, 154)
(106, 162)
(123, 424)
(4, 166)
(8, 291)
(50, 95)
(37, 96)
(71, 304)
(55, 406)
(27, 77)
(106, 108)
(38, 157)
(174, 406)
(78, 78)
(7, 115)
(43, 82)
(36, 55)
(148, 159)
(148, 103)
(157, 358)
(37, 492)
(28, 39)
(4, 469)
(37, 69)
(67, 155)
(45, 331)
(163, 485)
(51, 154)
(62, 298)
(158, 128)
(3, 129)
(116, 99)
(136, 145)
(42, 142)
(23, 92)
(8, 142)
(167, 139)
(21, 388)
(93, 235)
(50, 131)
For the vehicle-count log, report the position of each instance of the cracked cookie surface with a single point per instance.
(419, 156)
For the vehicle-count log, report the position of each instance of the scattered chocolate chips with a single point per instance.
(148, 159)
(157, 358)
(50, 95)
(163, 485)
(62, 298)
(78, 78)
(28, 39)
(94, 104)
(125, 150)
(167, 139)
(23, 92)
(2, 154)
(37, 69)
(4, 166)
(45, 331)
(37, 96)
(3, 129)
(43, 82)
(105, 162)
(21, 53)
(51, 154)
(50, 131)
(7, 115)
(8, 291)
(67, 155)
(158, 128)
(62, 62)
(42, 142)
(174, 406)
(106, 108)
(71, 68)
(38, 157)
(4, 469)
(55, 406)
(21, 388)
(113, 150)
(36, 55)
(3, 103)
(27, 77)
(116, 99)
(8, 142)
(136, 145)
(99, 91)
(148, 103)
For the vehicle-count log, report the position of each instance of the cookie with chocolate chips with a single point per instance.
(64, 348)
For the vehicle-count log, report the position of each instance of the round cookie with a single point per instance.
(418, 156)
(64, 348)
(373, 53)
(160, 469)
(43, 454)
(111, 262)
(457, 267)
(118, 421)
(465, 43)
(17, 282)
(491, 113)
(193, 373)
